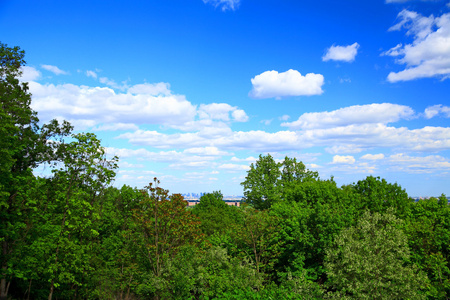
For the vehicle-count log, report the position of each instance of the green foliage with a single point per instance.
(428, 230)
(257, 238)
(261, 187)
(267, 180)
(377, 195)
(217, 218)
(371, 260)
(72, 235)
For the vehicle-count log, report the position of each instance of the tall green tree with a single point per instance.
(371, 261)
(162, 226)
(261, 188)
(23, 146)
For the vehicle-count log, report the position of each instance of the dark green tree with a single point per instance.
(23, 146)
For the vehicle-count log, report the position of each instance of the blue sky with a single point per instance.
(192, 91)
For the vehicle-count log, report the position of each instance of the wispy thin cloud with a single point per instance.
(224, 4)
(54, 69)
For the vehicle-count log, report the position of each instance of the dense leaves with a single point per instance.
(72, 235)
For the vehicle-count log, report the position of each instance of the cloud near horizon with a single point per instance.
(271, 84)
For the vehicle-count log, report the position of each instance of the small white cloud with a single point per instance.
(373, 156)
(435, 110)
(224, 4)
(345, 80)
(343, 149)
(54, 69)
(116, 127)
(338, 159)
(272, 84)
(155, 89)
(267, 122)
(284, 118)
(341, 53)
(92, 74)
(239, 115)
(248, 159)
(208, 151)
(234, 167)
(111, 83)
(221, 112)
(29, 74)
(128, 165)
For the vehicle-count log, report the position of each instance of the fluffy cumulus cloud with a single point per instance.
(104, 105)
(221, 111)
(272, 84)
(429, 53)
(54, 69)
(373, 156)
(224, 4)
(104, 109)
(341, 53)
(435, 110)
(358, 114)
(338, 159)
(29, 73)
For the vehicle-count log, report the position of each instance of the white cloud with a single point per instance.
(357, 114)
(341, 53)
(272, 84)
(284, 118)
(54, 69)
(351, 138)
(155, 89)
(373, 156)
(403, 1)
(266, 122)
(224, 4)
(104, 105)
(429, 54)
(208, 151)
(417, 164)
(338, 159)
(92, 74)
(115, 127)
(239, 115)
(113, 84)
(258, 141)
(435, 110)
(128, 165)
(234, 167)
(349, 148)
(29, 74)
(215, 111)
(248, 159)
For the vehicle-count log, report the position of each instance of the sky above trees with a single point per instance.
(193, 91)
